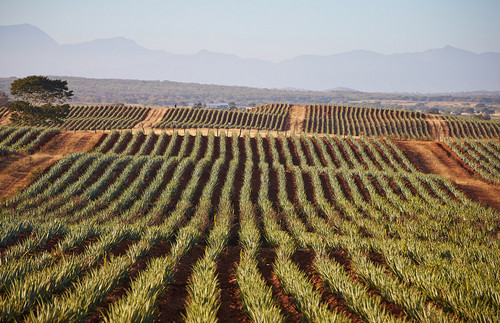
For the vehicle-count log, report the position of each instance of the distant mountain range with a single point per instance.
(27, 50)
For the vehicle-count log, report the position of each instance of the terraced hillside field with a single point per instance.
(283, 117)
(170, 227)
(401, 124)
(270, 117)
(104, 117)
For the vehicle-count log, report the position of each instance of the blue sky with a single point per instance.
(273, 29)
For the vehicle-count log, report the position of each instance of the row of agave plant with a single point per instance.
(439, 256)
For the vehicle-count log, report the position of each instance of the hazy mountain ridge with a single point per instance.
(28, 50)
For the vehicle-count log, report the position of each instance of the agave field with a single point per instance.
(203, 228)
(481, 156)
(26, 138)
(403, 124)
(3, 112)
(104, 117)
(322, 119)
(270, 117)
(470, 128)
(356, 121)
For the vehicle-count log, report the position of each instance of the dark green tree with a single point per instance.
(4, 99)
(39, 101)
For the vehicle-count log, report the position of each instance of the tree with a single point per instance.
(433, 110)
(4, 99)
(40, 101)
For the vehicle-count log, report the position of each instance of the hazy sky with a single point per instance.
(268, 29)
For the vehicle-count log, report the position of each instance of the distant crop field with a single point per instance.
(24, 138)
(401, 124)
(271, 117)
(104, 117)
(159, 226)
(283, 117)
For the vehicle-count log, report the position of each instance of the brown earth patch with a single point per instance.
(297, 115)
(279, 149)
(68, 143)
(255, 184)
(5, 119)
(307, 153)
(436, 158)
(153, 117)
(438, 126)
(19, 170)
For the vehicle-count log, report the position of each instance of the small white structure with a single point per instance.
(219, 106)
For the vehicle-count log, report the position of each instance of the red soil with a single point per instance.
(18, 240)
(273, 188)
(437, 158)
(318, 153)
(151, 145)
(255, 184)
(267, 258)
(255, 151)
(231, 308)
(342, 258)
(159, 250)
(77, 250)
(279, 148)
(171, 304)
(137, 144)
(306, 152)
(216, 149)
(203, 148)
(330, 152)
(177, 146)
(18, 170)
(123, 145)
(267, 150)
(164, 144)
(293, 151)
(305, 260)
(176, 196)
(190, 145)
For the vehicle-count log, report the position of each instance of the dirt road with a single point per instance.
(297, 118)
(436, 158)
(153, 117)
(18, 170)
(439, 126)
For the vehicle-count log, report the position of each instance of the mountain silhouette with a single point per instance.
(27, 50)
